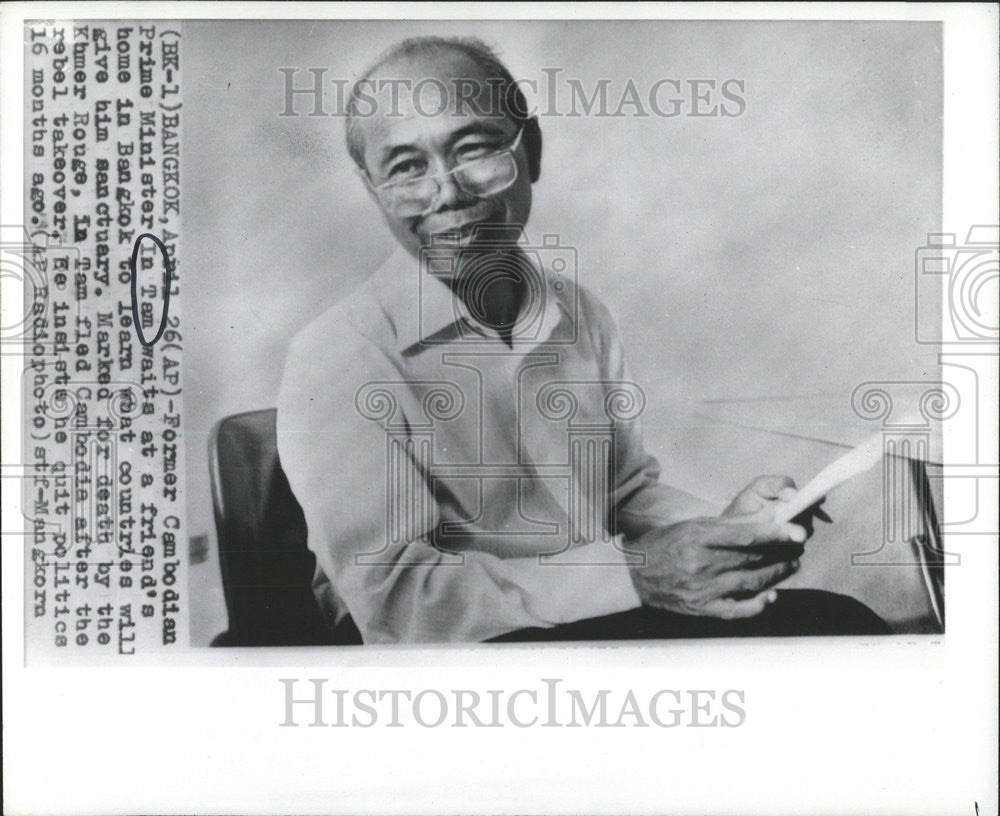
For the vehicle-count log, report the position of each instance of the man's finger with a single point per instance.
(753, 582)
(743, 534)
(773, 487)
(786, 494)
(731, 609)
(724, 559)
(764, 515)
(748, 558)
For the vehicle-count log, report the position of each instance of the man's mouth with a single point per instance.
(459, 230)
(459, 233)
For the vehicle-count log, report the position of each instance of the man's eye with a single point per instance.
(410, 168)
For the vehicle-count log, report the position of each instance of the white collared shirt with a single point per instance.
(456, 487)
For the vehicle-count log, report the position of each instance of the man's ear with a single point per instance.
(532, 139)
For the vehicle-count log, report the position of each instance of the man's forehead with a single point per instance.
(436, 81)
(428, 96)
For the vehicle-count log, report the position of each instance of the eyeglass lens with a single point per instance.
(480, 177)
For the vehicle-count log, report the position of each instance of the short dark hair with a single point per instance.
(512, 102)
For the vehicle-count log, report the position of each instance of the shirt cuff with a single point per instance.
(601, 586)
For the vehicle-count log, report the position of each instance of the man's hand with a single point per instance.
(722, 567)
(762, 496)
(763, 492)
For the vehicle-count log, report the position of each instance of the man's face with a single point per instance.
(429, 135)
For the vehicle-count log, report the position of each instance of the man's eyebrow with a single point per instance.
(477, 128)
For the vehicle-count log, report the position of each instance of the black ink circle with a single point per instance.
(135, 298)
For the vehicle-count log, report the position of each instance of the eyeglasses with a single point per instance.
(480, 177)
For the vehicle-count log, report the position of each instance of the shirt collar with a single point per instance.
(424, 311)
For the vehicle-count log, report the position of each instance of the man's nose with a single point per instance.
(450, 193)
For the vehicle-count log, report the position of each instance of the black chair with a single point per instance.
(267, 569)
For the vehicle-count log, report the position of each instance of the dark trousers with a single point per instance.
(795, 612)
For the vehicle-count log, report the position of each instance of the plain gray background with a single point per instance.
(767, 255)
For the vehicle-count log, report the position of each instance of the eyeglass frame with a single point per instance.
(377, 189)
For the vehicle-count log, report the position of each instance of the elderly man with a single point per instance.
(462, 433)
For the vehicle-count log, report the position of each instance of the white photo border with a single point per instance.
(849, 725)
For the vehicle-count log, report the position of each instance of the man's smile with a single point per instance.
(461, 224)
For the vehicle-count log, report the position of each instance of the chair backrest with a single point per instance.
(267, 569)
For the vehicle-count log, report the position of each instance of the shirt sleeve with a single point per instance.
(400, 587)
(639, 502)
